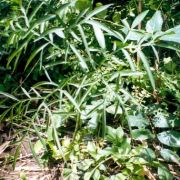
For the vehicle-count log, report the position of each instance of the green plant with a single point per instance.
(80, 77)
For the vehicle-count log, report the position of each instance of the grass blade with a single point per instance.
(72, 100)
(147, 67)
(9, 96)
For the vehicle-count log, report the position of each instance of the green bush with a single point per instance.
(94, 91)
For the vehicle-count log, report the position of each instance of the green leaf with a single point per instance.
(50, 133)
(87, 175)
(72, 100)
(174, 30)
(61, 9)
(67, 172)
(33, 54)
(129, 59)
(82, 4)
(148, 154)
(26, 93)
(45, 83)
(2, 88)
(9, 96)
(86, 163)
(169, 45)
(170, 138)
(96, 11)
(39, 136)
(40, 21)
(99, 36)
(155, 23)
(96, 175)
(18, 51)
(57, 120)
(75, 36)
(147, 67)
(38, 146)
(139, 18)
(131, 73)
(58, 31)
(92, 149)
(85, 41)
(160, 121)
(170, 156)
(81, 59)
(164, 173)
(118, 176)
(36, 9)
(16, 155)
(171, 37)
(138, 121)
(134, 36)
(105, 28)
(142, 134)
(114, 110)
(35, 156)
(93, 122)
(114, 135)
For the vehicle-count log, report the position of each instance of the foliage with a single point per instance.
(97, 93)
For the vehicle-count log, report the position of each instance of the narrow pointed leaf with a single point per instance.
(81, 59)
(96, 11)
(129, 59)
(36, 9)
(171, 37)
(147, 67)
(26, 93)
(8, 96)
(105, 28)
(72, 100)
(139, 19)
(84, 40)
(34, 53)
(99, 36)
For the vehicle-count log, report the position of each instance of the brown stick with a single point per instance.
(139, 12)
(139, 26)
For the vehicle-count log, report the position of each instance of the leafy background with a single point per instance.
(99, 91)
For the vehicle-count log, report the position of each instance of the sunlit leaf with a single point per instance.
(99, 36)
(7, 95)
(142, 134)
(138, 121)
(170, 138)
(96, 11)
(164, 173)
(155, 23)
(170, 156)
(139, 18)
(171, 37)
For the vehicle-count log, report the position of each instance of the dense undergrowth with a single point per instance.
(98, 86)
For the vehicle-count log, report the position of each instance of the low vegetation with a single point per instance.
(99, 86)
